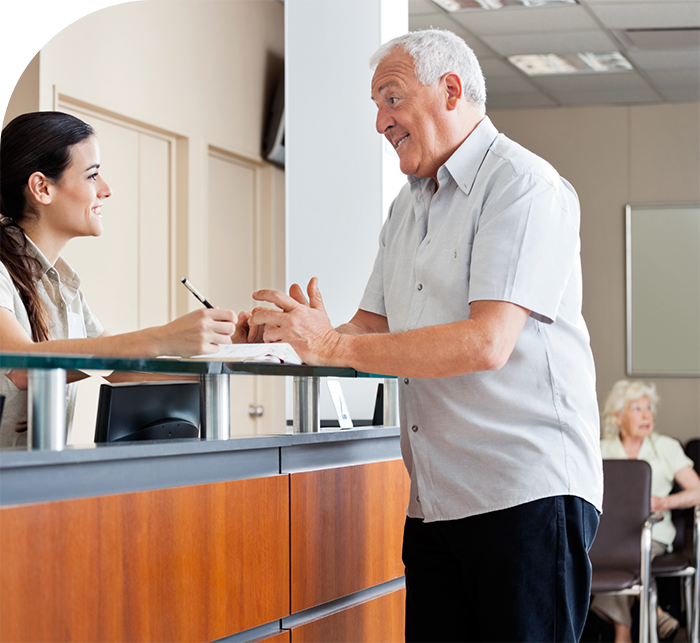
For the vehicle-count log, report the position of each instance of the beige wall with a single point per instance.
(202, 73)
(203, 70)
(614, 156)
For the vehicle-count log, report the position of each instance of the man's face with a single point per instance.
(410, 115)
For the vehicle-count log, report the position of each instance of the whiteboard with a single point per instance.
(663, 290)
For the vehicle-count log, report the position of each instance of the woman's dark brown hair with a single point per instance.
(34, 142)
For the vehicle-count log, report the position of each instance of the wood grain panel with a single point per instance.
(346, 530)
(187, 564)
(380, 620)
(282, 637)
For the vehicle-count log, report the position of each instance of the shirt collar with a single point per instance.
(467, 159)
(465, 162)
(61, 271)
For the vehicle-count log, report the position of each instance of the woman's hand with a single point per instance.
(196, 333)
(659, 504)
(689, 481)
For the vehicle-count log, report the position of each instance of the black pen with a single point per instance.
(196, 292)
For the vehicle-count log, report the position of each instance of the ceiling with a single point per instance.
(660, 38)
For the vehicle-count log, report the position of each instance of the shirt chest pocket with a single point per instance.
(448, 282)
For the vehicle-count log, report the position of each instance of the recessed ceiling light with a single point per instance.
(547, 64)
(469, 5)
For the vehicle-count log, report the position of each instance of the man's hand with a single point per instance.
(247, 332)
(300, 322)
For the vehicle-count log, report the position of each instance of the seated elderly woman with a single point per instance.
(628, 424)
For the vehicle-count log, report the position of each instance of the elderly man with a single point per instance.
(475, 303)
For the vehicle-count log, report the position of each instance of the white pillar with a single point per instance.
(336, 165)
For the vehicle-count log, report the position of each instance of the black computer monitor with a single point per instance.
(147, 411)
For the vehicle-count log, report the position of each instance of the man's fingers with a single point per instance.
(316, 301)
(279, 299)
(296, 293)
(266, 316)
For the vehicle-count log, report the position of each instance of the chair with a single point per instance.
(621, 551)
(692, 450)
(684, 561)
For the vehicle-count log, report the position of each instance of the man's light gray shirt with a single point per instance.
(502, 226)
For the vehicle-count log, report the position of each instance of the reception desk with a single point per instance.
(291, 537)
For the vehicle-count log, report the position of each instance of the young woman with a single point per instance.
(51, 191)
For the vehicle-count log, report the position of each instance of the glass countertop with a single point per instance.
(169, 365)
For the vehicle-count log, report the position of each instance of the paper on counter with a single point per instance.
(275, 353)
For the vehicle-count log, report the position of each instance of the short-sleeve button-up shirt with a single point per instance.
(502, 225)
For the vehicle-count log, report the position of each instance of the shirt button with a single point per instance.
(405, 380)
(420, 286)
(414, 428)
(417, 498)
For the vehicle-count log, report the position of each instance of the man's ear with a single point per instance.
(453, 90)
(39, 188)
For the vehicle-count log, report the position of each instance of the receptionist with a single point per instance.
(51, 191)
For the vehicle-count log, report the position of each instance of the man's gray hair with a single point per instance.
(436, 52)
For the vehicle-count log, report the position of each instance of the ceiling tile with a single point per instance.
(648, 15)
(506, 101)
(569, 42)
(621, 96)
(517, 85)
(672, 79)
(416, 7)
(496, 68)
(519, 20)
(593, 81)
(680, 59)
(443, 21)
(584, 2)
(681, 94)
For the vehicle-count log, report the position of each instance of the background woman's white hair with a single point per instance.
(436, 52)
(621, 394)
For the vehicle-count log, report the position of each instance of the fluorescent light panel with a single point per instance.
(549, 64)
(470, 5)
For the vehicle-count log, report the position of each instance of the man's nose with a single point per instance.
(384, 121)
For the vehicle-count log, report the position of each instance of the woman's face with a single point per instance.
(636, 420)
(75, 209)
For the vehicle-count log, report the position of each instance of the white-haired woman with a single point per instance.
(628, 425)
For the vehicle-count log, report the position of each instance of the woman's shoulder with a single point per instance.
(665, 443)
(660, 438)
(612, 449)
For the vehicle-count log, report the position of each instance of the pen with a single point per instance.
(196, 292)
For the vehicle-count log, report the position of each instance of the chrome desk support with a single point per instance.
(306, 416)
(391, 401)
(215, 406)
(46, 409)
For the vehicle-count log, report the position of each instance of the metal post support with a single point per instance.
(306, 415)
(215, 406)
(46, 409)
(391, 402)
